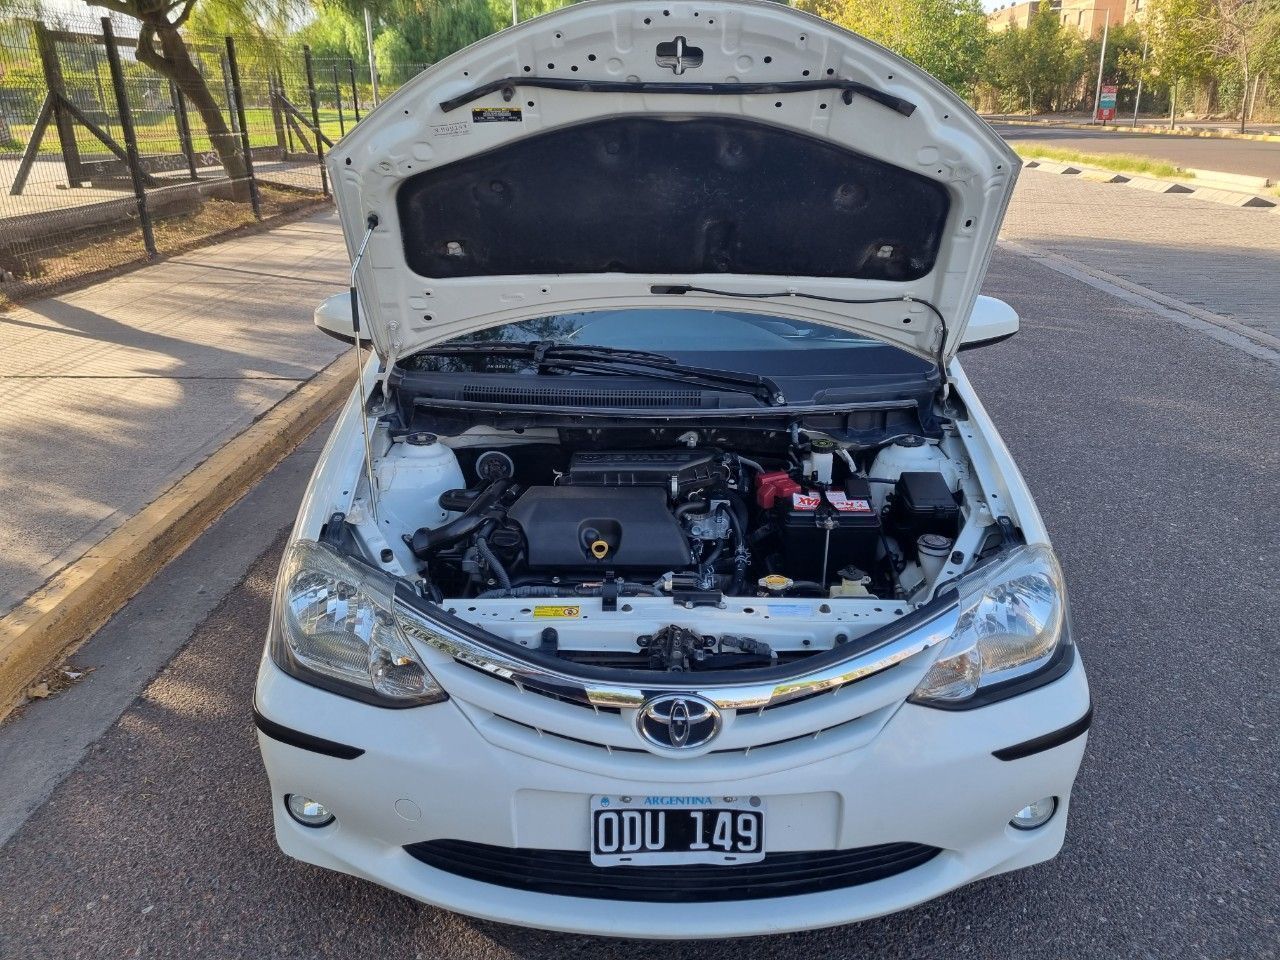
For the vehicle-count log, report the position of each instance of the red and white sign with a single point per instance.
(1107, 104)
(843, 504)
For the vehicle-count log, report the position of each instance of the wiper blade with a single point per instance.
(549, 355)
(760, 387)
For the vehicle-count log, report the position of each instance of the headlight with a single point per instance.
(1011, 621)
(336, 628)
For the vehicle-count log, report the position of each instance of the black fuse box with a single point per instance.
(855, 535)
(923, 503)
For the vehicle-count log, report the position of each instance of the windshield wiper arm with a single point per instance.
(548, 354)
(761, 387)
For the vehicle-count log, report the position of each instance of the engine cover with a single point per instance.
(602, 528)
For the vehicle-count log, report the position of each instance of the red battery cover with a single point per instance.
(774, 484)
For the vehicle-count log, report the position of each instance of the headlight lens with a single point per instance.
(1011, 621)
(336, 623)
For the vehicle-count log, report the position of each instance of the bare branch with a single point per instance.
(186, 12)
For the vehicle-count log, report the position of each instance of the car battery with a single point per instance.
(923, 503)
(805, 518)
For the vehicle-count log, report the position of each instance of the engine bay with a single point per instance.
(696, 552)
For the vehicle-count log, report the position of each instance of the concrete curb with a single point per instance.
(1212, 188)
(1229, 181)
(51, 623)
(1142, 128)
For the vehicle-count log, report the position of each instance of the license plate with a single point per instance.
(651, 830)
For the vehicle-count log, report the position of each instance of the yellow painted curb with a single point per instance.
(51, 623)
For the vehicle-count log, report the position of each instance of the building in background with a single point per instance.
(1085, 16)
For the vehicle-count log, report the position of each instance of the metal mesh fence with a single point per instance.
(106, 159)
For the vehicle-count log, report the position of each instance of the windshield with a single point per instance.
(726, 339)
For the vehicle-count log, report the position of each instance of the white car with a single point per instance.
(665, 577)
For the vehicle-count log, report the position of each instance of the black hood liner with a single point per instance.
(672, 196)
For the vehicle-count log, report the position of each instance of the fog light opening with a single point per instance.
(308, 812)
(1035, 814)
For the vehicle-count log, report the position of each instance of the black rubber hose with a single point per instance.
(740, 573)
(495, 565)
(812, 585)
(484, 508)
(630, 589)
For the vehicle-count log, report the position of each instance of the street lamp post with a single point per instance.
(373, 63)
(1102, 58)
(1141, 70)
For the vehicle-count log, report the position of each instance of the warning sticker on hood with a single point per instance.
(496, 115)
(810, 501)
(558, 612)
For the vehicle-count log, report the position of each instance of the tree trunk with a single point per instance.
(175, 63)
(1173, 104)
(1244, 96)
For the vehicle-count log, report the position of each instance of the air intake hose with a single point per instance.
(484, 508)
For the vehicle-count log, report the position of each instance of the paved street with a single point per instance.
(1149, 446)
(1254, 157)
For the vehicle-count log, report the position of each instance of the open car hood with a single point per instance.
(615, 153)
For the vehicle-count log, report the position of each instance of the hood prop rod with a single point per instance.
(371, 224)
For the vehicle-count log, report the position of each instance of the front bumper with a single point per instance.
(927, 777)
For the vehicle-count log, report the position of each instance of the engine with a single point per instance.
(695, 523)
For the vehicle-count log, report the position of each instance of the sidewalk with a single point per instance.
(110, 394)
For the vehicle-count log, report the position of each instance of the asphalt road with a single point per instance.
(1152, 451)
(1252, 157)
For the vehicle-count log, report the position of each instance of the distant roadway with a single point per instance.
(1253, 157)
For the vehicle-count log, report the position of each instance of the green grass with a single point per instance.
(1119, 162)
(162, 137)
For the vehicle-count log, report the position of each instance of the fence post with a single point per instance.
(342, 123)
(227, 92)
(237, 94)
(355, 91)
(275, 90)
(288, 129)
(130, 138)
(315, 118)
(61, 118)
(184, 129)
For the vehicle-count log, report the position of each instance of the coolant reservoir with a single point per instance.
(907, 455)
(411, 477)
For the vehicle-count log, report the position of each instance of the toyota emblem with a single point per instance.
(678, 721)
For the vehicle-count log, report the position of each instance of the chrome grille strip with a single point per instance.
(796, 683)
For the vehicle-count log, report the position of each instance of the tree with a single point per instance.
(1042, 59)
(1123, 62)
(948, 38)
(1242, 32)
(163, 48)
(334, 33)
(1180, 45)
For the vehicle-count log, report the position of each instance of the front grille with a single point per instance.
(570, 873)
